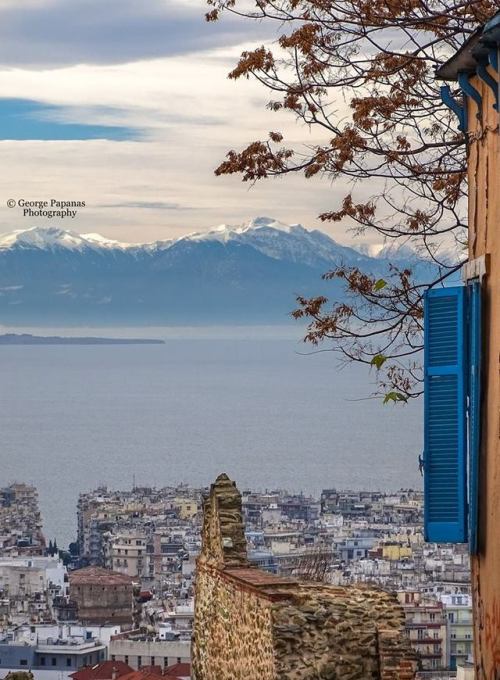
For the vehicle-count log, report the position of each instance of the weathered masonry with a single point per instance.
(462, 354)
(251, 625)
(102, 596)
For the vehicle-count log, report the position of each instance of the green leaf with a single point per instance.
(394, 397)
(378, 361)
(380, 284)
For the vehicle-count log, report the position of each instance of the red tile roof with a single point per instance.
(142, 674)
(146, 674)
(98, 576)
(157, 670)
(102, 671)
(257, 577)
(183, 670)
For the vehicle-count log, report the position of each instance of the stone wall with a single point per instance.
(233, 630)
(102, 596)
(251, 625)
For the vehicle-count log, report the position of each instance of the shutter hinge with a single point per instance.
(476, 269)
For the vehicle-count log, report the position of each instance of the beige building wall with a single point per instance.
(138, 653)
(484, 239)
(396, 552)
(186, 507)
(21, 580)
(127, 554)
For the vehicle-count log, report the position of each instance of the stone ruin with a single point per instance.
(252, 625)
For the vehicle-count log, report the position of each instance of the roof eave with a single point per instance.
(463, 60)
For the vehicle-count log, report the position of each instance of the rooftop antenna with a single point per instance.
(133, 482)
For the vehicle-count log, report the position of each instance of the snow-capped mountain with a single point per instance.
(230, 274)
(268, 236)
(49, 238)
(281, 241)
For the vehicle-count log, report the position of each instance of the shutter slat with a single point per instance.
(474, 410)
(445, 416)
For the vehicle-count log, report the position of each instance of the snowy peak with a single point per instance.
(51, 238)
(103, 242)
(369, 249)
(268, 236)
(48, 238)
(41, 238)
(396, 252)
(285, 242)
(280, 241)
(225, 232)
(271, 223)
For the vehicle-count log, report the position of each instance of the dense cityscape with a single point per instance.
(120, 599)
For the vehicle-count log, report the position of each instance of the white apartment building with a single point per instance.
(126, 553)
(458, 612)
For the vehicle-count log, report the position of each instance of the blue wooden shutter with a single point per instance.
(445, 426)
(474, 408)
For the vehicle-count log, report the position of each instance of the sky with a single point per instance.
(127, 106)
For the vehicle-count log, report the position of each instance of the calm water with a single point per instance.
(75, 417)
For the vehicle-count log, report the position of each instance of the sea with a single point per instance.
(255, 403)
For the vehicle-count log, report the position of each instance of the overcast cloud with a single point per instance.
(55, 33)
(127, 106)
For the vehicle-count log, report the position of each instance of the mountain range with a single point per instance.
(249, 274)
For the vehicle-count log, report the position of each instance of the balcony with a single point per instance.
(68, 646)
(426, 641)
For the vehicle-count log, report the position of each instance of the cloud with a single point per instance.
(157, 174)
(172, 93)
(52, 33)
(132, 110)
(148, 205)
(24, 119)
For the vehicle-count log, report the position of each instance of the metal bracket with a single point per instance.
(460, 111)
(482, 72)
(476, 269)
(470, 91)
(493, 58)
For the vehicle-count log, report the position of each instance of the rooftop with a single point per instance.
(179, 669)
(103, 671)
(98, 576)
(148, 674)
(466, 58)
